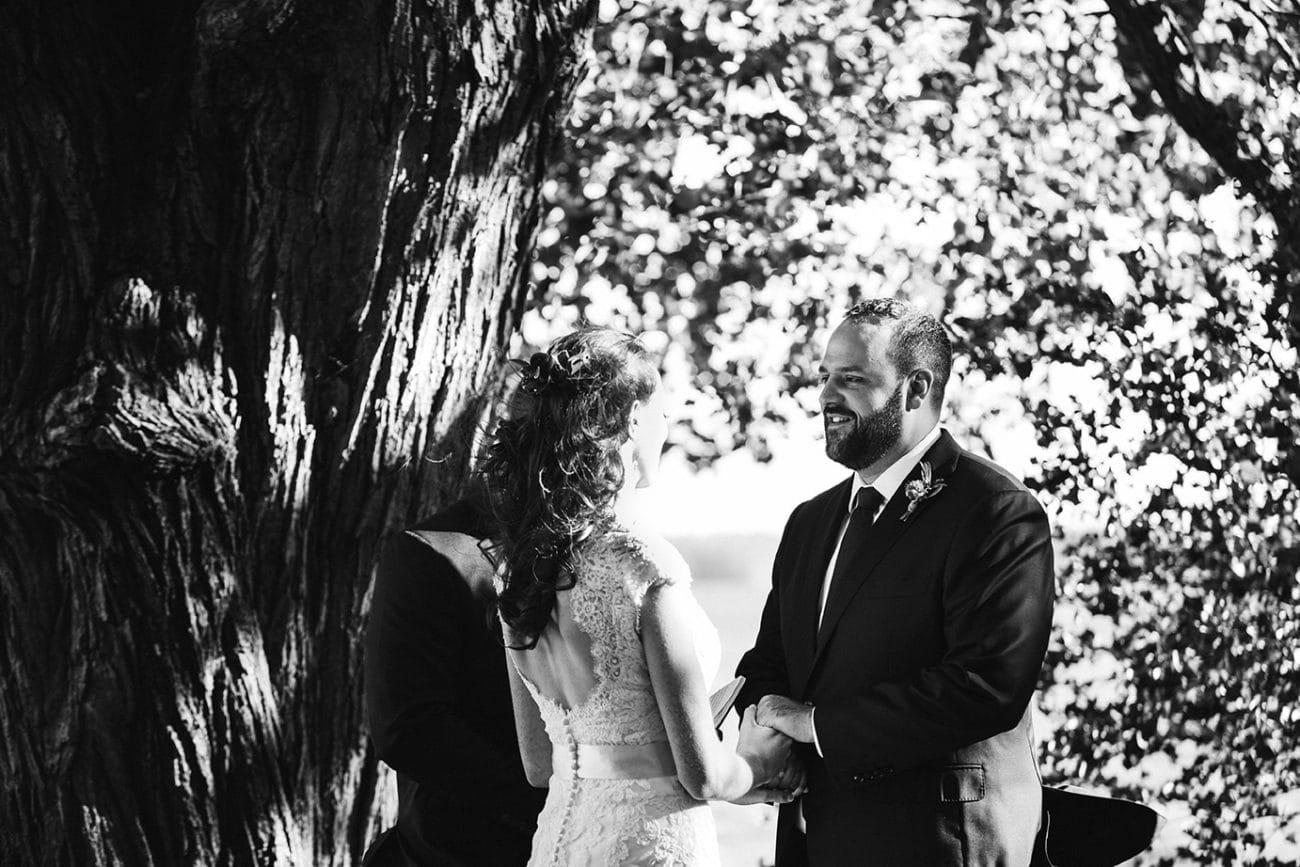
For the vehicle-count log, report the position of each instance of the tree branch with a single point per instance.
(1216, 127)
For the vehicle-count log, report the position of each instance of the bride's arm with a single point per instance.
(706, 769)
(534, 743)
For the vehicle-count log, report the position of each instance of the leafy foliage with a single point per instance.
(1107, 219)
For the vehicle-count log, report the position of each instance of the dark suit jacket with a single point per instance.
(921, 674)
(438, 703)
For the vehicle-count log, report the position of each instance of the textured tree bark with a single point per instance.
(256, 259)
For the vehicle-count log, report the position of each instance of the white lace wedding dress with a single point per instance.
(614, 798)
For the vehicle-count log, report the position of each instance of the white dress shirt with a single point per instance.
(887, 484)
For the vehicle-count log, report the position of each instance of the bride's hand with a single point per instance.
(792, 778)
(762, 795)
(765, 749)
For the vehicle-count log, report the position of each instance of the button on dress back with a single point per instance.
(614, 796)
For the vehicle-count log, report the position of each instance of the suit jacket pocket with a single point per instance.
(961, 784)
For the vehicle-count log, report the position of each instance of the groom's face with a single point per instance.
(862, 395)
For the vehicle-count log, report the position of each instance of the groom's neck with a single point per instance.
(871, 473)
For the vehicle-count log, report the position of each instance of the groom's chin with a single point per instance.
(848, 453)
(837, 452)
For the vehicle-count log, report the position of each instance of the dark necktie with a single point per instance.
(865, 507)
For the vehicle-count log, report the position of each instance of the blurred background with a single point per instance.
(1097, 198)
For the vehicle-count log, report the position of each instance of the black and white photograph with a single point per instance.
(661, 433)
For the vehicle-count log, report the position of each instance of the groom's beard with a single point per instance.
(870, 437)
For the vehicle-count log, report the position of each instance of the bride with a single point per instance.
(609, 652)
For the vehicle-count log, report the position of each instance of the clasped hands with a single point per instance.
(768, 732)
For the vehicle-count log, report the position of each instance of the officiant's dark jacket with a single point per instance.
(921, 673)
(438, 705)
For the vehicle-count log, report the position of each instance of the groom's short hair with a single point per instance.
(917, 338)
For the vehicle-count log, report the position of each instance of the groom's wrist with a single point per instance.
(812, 727)
(801, 722)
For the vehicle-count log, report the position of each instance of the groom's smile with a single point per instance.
(836, 419)
(841, 426)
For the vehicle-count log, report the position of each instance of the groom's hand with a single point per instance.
(792, 718)
(793, 778)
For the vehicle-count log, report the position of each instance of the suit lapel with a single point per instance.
(801, 637)
(866, 553)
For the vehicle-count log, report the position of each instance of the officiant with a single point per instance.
(438, 702)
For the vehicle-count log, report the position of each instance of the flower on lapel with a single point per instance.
(919, 490)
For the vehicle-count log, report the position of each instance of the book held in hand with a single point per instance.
(722, 701)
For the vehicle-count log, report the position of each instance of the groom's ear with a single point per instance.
(920, 389)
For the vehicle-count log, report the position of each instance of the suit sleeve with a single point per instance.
(997, 611)
(763, 666)
(420, 621)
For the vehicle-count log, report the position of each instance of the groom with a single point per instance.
(907, 621)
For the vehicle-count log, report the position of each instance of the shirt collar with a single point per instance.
(888, 482)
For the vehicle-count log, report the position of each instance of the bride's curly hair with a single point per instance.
(552, 468)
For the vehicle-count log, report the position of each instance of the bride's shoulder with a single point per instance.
(650, 559)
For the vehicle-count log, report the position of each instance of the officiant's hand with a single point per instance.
(790, 717)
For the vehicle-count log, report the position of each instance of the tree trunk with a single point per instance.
(256, 261)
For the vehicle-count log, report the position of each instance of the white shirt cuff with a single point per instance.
(812, 724)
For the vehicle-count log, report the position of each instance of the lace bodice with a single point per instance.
(641, 818)
(613, 573)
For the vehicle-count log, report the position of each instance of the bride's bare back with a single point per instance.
(562, 667)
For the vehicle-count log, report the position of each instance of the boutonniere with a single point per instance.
(919, 490)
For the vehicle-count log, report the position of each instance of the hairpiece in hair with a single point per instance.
(561, 369)
(538, 373)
